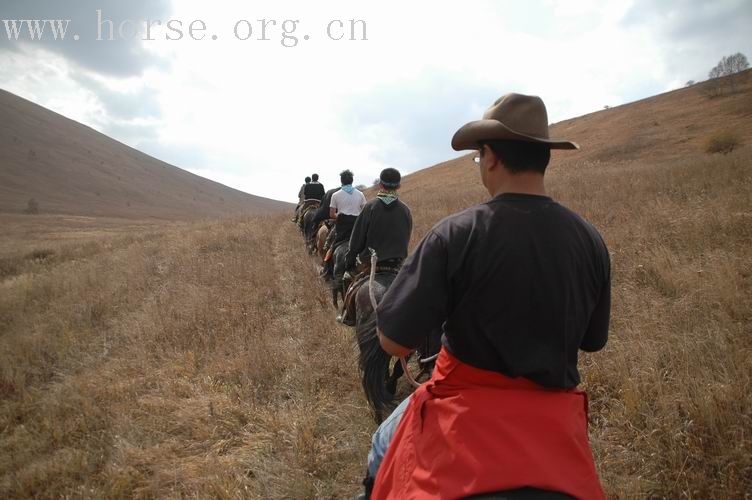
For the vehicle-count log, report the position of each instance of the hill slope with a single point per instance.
(69, 168)
(668, 126)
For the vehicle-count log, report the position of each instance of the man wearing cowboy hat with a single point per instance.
(519, 285)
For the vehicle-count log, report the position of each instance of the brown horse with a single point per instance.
(307, 211)
(321, 235)
(379, 371)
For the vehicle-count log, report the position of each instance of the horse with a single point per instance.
(309, 230)
(379, 385)
(321, 235)
(307, 211)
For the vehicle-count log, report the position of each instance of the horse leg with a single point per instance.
(311, 246)
(311, 237)
(342, 296)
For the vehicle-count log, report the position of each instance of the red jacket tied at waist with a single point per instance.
(469, 431)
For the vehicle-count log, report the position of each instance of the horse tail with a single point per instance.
(374, 366)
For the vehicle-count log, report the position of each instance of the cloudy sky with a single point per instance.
(260, 114)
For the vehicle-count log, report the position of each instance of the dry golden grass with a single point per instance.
(203, 360)
(722, 142)
(670, 401)
(196, 361)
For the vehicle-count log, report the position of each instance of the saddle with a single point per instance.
(363, 274)
(306, 207)
(309, 205)
(330, 246)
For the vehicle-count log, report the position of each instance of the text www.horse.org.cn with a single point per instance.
(263, 30)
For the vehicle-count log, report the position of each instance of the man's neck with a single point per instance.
(522, 183)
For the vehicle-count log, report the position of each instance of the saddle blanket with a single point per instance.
(469, 431)
(348, 308)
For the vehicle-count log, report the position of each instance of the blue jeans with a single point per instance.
(383, 436)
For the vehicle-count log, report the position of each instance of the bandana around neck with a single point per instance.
(387, 196)
(348, 188)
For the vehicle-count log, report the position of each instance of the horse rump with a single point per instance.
(308, 207)
(321, 235)
(309, 230)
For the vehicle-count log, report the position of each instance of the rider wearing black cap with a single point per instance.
(384, 224)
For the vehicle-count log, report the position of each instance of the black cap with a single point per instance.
(390, 178)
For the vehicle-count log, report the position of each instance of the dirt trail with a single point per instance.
(321, 395)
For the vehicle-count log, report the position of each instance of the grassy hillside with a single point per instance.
(203, 360)
(676, 125)
(69, 168)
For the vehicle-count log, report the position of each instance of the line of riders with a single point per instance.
(496, 302)
(342, 229)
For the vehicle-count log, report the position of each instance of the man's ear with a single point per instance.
(494, 161)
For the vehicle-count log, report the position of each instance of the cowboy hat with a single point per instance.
(513, 117)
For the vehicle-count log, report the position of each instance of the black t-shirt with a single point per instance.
(343, 226)
(322, 213)
(519, 284)
(385, 228)
(314, 191)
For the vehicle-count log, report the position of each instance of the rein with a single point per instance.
(403, 361)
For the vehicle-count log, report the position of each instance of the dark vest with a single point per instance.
(314, 191)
